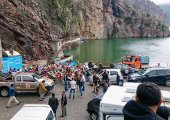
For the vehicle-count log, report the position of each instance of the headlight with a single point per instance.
(133, 78)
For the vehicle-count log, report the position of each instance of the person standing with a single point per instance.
(81, 85)
(105, 86)
(65, 82)
(105, 76)
(53, 102)
(63, 104)
(117, 78)
(12, 96)
(72, 88)
(42, 90)
(95, 79)
(83, 79)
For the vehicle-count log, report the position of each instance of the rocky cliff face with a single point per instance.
(31, 26)
(120, 18)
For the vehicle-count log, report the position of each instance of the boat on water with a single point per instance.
(63, 59)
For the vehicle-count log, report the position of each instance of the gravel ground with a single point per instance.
(76, 109)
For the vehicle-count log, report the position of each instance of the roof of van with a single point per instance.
(32, 112)
(117, 96)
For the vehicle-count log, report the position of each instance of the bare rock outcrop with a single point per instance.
(31, 26)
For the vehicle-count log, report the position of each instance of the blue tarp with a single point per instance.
(74, 63)
(11, 62)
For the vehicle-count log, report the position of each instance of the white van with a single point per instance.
(116, 97)
(112, 76)
(34, 112)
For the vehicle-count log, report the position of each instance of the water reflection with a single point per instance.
(109, 51)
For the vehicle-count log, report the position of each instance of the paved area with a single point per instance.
(76, 109)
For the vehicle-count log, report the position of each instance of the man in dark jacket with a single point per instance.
(148, 99)
(117, 78)
(63, 104)
(53, 102)
(105, 76)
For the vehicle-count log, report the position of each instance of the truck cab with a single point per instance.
(136, 61)
(25, 83)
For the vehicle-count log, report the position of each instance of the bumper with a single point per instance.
(88, 110)
(49, 87)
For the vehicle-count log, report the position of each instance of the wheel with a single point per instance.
(4, 92)
(121, 83)
(37, 91)
(167, 83)
(93, 116)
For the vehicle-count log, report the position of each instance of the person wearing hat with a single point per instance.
(42, 90)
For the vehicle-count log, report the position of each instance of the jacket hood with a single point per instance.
(134, 111)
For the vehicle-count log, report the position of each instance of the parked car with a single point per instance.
(158, 75)
(24, 82)
(34, 112)
(112, 76)
(93, 107)
(125, 69)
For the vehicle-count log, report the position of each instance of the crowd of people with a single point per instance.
(73, 79)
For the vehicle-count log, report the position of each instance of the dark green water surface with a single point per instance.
(111, 51)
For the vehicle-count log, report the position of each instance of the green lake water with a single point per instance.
(111, 51)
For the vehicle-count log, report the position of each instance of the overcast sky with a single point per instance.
(158, 2)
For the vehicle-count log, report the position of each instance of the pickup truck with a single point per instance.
(24, 82)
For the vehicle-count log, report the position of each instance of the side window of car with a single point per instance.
(119, 66)
(168, 72)
(161, 72)
(18, 78)
(28, 79)
(112, 73)
(50, 116)
(151, 73)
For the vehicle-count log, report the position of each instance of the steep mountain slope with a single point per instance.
(33, 26)
(166, 9)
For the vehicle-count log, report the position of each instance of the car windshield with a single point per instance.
(144, 73)
(128, 59)
(37, 76)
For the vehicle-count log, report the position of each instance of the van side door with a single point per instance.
(150, 77)
(161, 77)
(112, 76)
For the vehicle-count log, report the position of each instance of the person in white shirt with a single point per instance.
(82, 82)
(72, 88)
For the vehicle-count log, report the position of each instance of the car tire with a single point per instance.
(93, 116)
(121, 83)
(37, 91)
(167, 83)
(4, 92)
